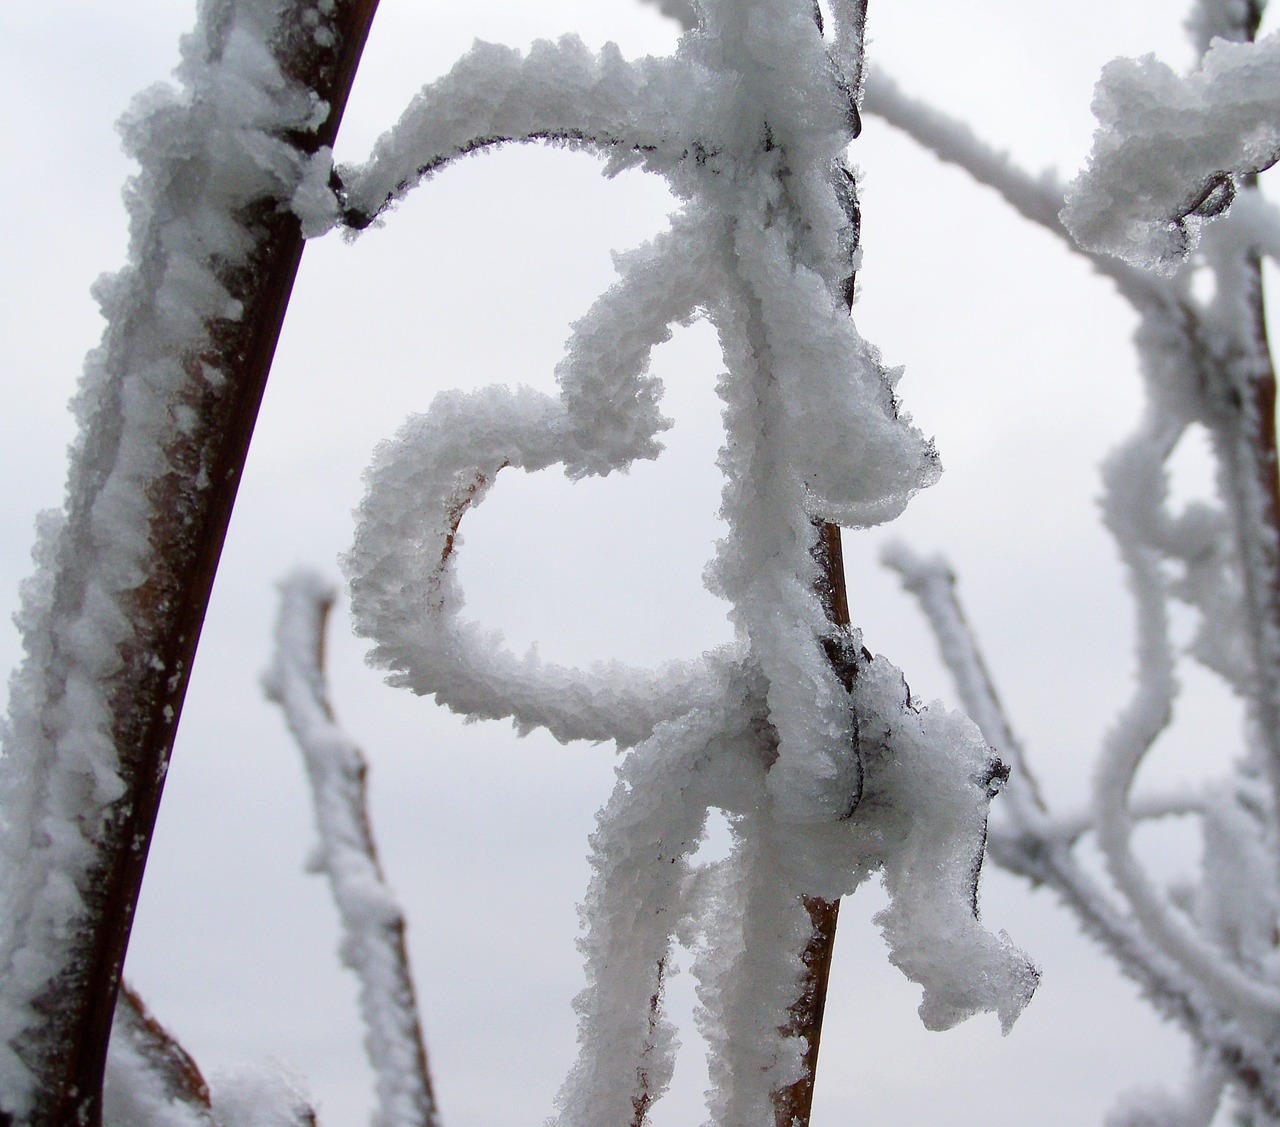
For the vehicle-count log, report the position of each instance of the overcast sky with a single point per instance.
(1017, 360)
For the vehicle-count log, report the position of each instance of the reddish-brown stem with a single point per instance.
(643, 1099)
(180, 1076)
(793, 1104)
(1259, 521)
(186, 536)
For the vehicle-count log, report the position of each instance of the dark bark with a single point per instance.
(68, 1053)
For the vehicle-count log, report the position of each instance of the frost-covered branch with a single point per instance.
(111, 616)
(955, 142)
(791, 727)
(1039, 846)
(559, 93)
(151, 1081)
(1170, 150)
(1037, 199)
(1171, 153)
(373, 926)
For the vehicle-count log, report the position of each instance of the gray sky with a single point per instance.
(1017, 361)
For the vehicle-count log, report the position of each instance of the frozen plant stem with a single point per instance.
(372, 923)
(794, 1104)
(151, 1079)
(156, 604)
(1247, 444)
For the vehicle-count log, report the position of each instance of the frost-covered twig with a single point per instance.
(373, 926)
(1172, 153)
(1038, 200)
(1038, 846)
(1170, 150)
(111, 617)
(933, 584)
(748, 122)
(151, 1081)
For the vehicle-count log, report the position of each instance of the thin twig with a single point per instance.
(145, 1055)
(373, 942)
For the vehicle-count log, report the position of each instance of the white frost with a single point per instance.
(206, 148)
(372, 923)
(748, 122)
(1169, 149)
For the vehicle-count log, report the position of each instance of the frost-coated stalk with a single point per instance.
(1246, 440)
(372, 923)
(112, 616)
(1173, 154)
(748, 121)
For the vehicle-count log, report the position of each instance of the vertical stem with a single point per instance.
(793, 1105)
(643, 1100)
(373, 925)
(1258, 520)
(67, 1054)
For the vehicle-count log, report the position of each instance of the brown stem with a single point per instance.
(643, 1100)
(68, 1054)
(1259, 520)
(178, 1074)
(793, 1105)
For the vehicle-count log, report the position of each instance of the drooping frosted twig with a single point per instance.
(372, 924)
(1039, 846)
(1037, 199)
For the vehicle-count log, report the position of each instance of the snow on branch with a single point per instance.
(748, 122)
(1037, 199)
(953, 141)
(151, 1081)
(110, 618)
(373, 926)
(1169, 155)
(1170, 151)
(559, 93)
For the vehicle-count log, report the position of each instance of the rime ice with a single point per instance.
(748, 122)
(1171, 153)
(1169, 150)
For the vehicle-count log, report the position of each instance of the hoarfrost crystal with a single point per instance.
(748, 122)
